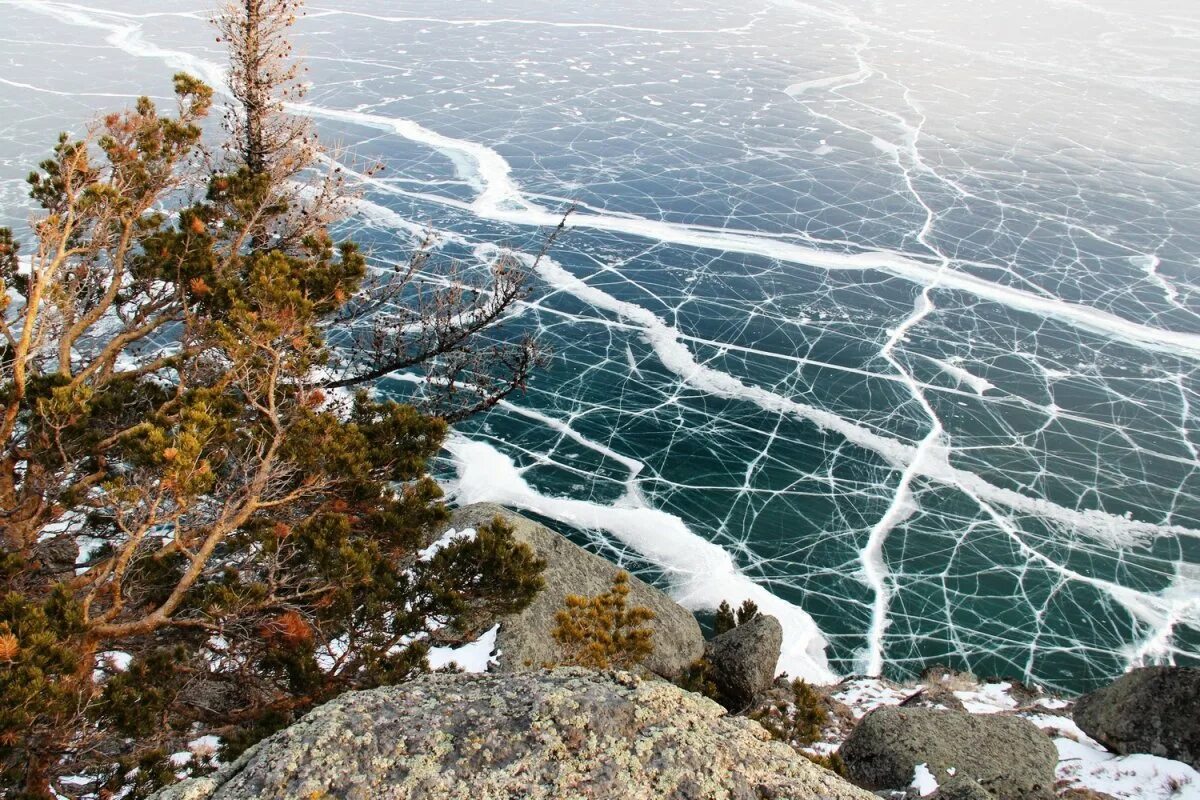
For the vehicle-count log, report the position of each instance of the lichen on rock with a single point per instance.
(550, 734)
(1008, 756)
(1153, 710)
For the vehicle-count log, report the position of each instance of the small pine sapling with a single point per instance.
(747, 612)
(797, 721)
(697, 677)
(601, 632)
(726, 620)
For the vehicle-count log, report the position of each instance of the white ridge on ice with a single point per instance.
(701, 573)
(500, 198)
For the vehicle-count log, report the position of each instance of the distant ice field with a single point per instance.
(882, 315)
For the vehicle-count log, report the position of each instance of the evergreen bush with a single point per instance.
(601, 631)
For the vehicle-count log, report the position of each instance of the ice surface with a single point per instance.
(700, 573)
(883, 315)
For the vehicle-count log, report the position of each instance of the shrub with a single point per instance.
(797, 720)
(601, 632)
(830, 761)
(747, 611)
(697, 677)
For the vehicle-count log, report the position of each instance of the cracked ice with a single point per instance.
(883, 317)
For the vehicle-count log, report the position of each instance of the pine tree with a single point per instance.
(180, 483)
(747, 611)
(798, 720)
(725, 620)
(263, 77)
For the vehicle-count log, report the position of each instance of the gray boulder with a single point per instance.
(1079, 793)
(960, 787)
(743, 660)
(1154, 710)
(524, 641)
(566, 733)
(1008, 756)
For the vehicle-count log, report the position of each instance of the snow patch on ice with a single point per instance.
(951, 367)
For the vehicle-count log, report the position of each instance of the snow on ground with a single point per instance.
(989, 698)
(1083, 762)
(1132, 777)
(202, 748)
(472, 657)
(1052, 703)
(117, 660)
(861, 695)
(205, 746)
(110, 661)
(923, 781)
(445, 540)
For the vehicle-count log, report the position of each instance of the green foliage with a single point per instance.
(136, 701)
(601, 631)
(797, 721)
(481, 578)
(830, 761)
(251, 542)
(237, 740)
(697, 677)
(726, 620)
(10, 274)
(37, 661)
(138, 778)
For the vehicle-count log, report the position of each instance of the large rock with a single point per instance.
(743, 660)
(1007, 756)
(566, 733)
(1154, 710)
(960, 787)
(524, 640)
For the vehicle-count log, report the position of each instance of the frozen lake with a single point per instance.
(885, 315)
